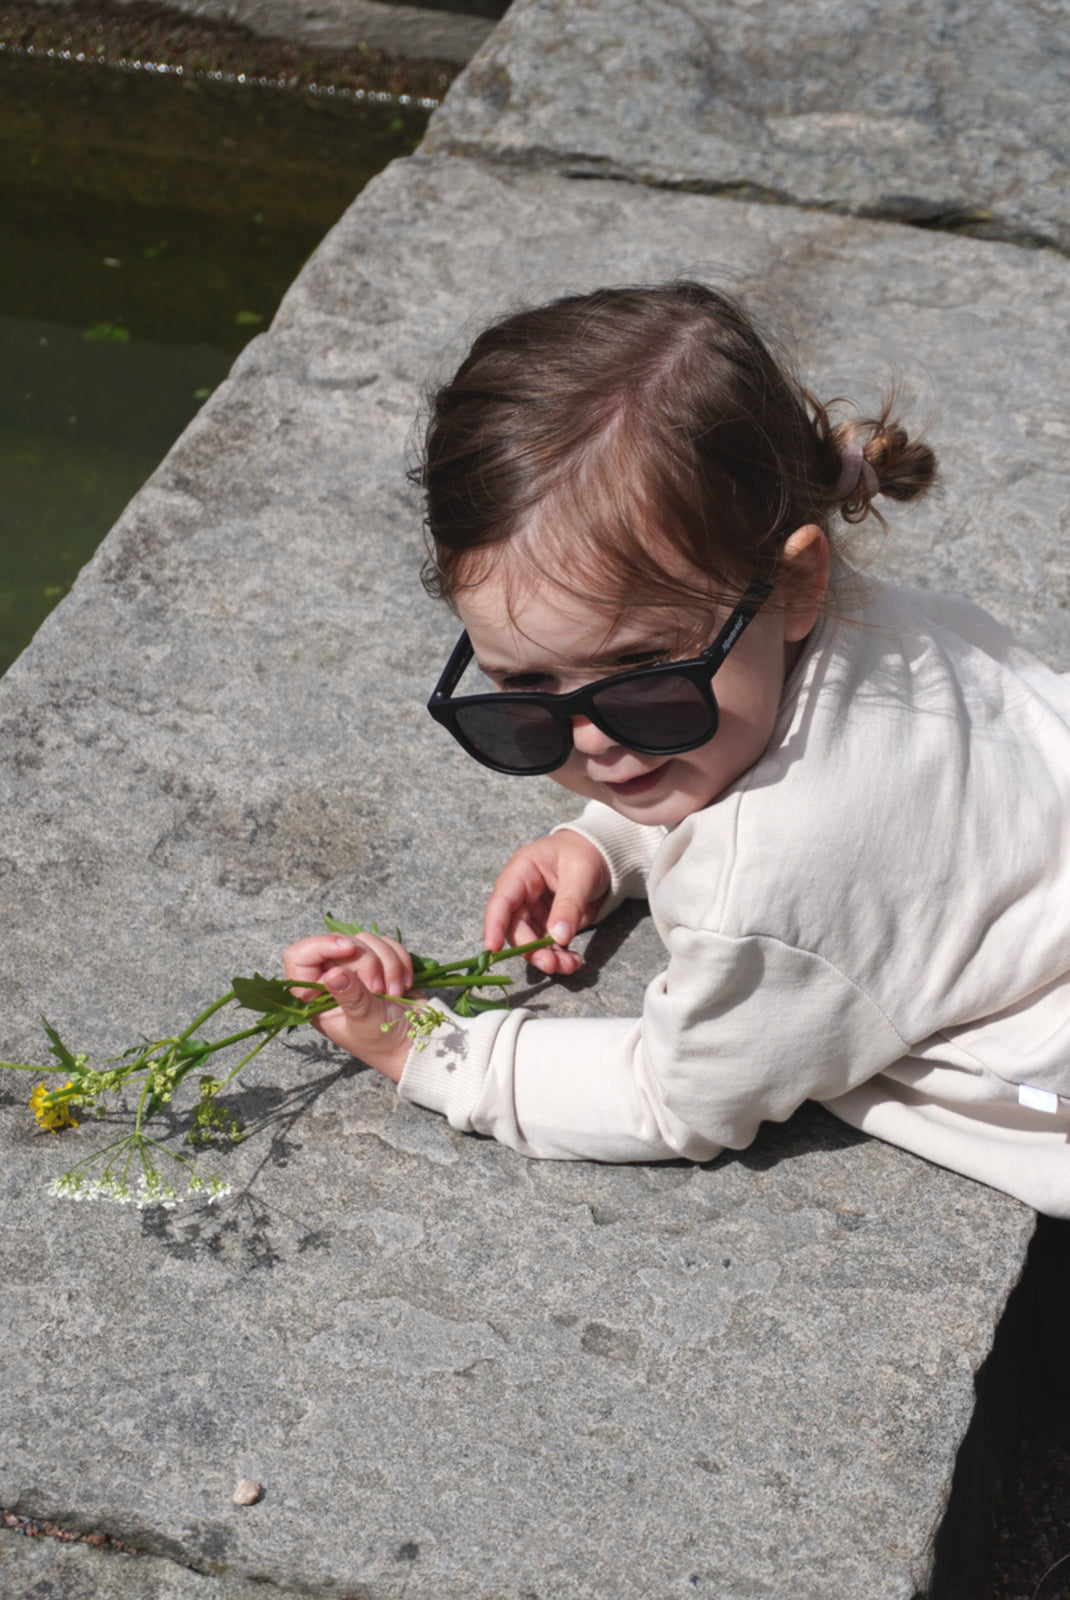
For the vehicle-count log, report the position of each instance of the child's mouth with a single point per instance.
(639, 785)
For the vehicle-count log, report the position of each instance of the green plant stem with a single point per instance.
(145, 1093)
(441, 970)
(246, 1059)
(217, 1005)
(156, 1068)
(135, 1145)
(476, 981)
(116, 1144)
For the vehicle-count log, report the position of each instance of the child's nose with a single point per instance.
(589, 740)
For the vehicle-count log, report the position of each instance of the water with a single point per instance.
(148, 229)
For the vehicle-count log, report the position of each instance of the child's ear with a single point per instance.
(804, 579)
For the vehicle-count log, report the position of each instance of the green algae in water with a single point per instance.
(148, 230)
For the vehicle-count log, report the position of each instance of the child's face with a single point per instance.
(556, 642)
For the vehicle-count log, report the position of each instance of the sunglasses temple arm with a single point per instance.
(741, 618)
(454, 670)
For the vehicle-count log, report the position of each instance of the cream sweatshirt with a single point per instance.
(875, 916)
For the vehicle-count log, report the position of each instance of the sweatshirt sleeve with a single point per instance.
(628, 847)
(736, 1031)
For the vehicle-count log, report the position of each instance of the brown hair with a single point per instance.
(619, 440)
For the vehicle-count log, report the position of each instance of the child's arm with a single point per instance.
(358, 972)
(555, 885)
(736, 1031)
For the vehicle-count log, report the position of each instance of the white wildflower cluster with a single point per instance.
(209, 1189)
(74, 1186)
(152, 1190)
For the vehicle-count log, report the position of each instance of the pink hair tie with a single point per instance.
(854, 466)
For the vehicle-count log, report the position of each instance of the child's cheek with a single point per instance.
(573, 776)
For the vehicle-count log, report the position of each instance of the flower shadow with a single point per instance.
(245, 1217)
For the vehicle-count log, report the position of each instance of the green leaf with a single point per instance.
(151, 251)
(268, 995)
(350, 928)
(58, 1049)
(353, 928)
(468, 1004)
(203, 393)
(248, 319)
(192, 1048)
(134, 1050)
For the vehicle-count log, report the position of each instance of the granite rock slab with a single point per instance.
(455, 1372)
(45, 1568)
(937, 112)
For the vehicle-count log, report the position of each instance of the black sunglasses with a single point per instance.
(661, 710)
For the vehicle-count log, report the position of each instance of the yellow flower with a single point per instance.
(51, 1114)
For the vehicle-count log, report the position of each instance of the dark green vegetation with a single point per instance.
(148, 229)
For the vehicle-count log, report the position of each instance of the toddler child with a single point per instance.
(847, 802)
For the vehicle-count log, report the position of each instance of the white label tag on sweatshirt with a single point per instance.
(1037, 1099)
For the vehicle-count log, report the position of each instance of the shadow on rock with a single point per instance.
(605, 942)
(244, 1224)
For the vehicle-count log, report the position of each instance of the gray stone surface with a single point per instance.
(47, 1569)
(416, 32)
(459, 1374)
(936, 110)
(402, 30)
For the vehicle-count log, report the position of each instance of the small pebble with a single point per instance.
(247, 1493)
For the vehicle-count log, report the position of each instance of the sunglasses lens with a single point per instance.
(518, 738)
(662, 712)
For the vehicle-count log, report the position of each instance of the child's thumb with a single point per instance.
(565, 919)
(349, 992)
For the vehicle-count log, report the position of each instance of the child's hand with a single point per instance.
(358, 972)
(554, 885)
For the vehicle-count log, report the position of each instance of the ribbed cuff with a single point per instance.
(447, 1075)
(628, 849)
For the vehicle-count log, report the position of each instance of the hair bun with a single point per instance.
(855, 471)
(888, 462)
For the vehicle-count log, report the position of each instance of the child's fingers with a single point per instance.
(356, 1023)
(556, 962)
(383, 964)
(527, 932)
(524, 927)
(581, 887)
(566, 917)
(499, 922)
(571, 909)
(355, 1006)
(306, 954)
(519, 892)
(306, 959)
